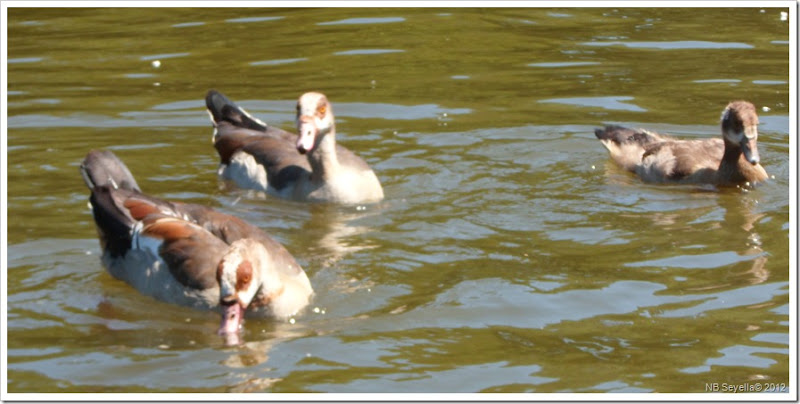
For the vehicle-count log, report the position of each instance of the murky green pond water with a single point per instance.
(510, 254)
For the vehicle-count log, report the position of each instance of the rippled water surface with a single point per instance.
(510, 254)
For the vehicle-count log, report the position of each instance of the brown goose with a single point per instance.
(189, 254)
(305, 167)
(732, 160)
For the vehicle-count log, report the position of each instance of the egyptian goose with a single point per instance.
(189, 254)
(308, 167)
(732, 160)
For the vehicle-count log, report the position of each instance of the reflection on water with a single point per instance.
(510, 254)
(339, 232)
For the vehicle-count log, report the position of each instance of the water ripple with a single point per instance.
(669, 45)
(612, 102)
(253, 19)
(368, 51)
(275, 62)
(705, 261)
(369, 20)
(562, 64)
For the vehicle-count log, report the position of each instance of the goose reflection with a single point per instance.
(251, 354)
(744, 214)
(334, 232)
(331, 232)
(733, 215)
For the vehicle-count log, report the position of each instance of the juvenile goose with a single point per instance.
(732, 160)
(189, 254)
(305, 167)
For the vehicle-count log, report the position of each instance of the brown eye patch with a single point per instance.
(322, 106)
(244, 273)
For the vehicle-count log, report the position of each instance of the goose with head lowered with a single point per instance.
(730, 161)
(308, 166)
(190, 254)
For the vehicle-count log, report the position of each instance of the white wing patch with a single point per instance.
(246, 172)
(251, 116)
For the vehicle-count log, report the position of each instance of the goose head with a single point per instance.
(740, 129)
(314, 120)
(239, 274)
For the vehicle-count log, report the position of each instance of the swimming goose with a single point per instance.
(305, 167)
(732, 160)
(189, 254)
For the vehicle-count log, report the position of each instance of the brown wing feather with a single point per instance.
(679, 160)
(191, 252)
(231, 138)
(167, 228)
(274, 149)
(622, 135)
(230, 228)
(138, 208)
(698, 155)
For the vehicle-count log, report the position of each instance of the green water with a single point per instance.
(510, 254)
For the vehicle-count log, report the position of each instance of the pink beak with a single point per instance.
(307, 132)
(232, 318)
